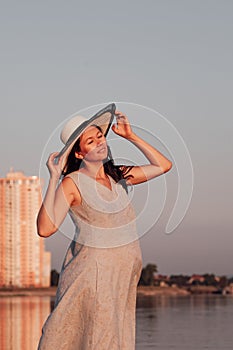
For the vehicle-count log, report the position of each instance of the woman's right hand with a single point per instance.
(55, 170)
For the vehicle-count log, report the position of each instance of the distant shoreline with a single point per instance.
(152, 290)
(141, 291)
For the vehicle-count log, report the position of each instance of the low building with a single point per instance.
(196, 279)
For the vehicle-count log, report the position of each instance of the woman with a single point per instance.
(96, 296)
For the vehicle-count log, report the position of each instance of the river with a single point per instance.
(163, 322)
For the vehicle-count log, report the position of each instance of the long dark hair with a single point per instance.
(117, 172)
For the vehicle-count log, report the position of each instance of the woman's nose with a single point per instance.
(100, 141)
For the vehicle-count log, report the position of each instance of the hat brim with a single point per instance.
(103, 119)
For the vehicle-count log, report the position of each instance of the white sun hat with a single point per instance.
(74, 128)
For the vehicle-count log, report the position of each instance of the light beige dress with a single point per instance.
(96, 297)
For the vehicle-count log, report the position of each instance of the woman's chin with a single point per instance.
(102, 155)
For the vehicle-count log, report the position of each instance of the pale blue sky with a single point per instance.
(175, 57)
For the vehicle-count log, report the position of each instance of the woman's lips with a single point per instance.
(102, 149)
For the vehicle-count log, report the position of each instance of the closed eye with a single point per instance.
(90, 140)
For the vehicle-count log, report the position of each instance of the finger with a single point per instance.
(51, 159)
(114, 128)
(122, 120)
(60, 160)
(119, 117)
(119, 114)
(53, 155)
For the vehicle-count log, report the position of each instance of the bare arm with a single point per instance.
(159, 164)
(57, 200)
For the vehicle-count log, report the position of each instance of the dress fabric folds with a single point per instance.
(95, 303)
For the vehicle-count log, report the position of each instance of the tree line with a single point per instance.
(148, 278)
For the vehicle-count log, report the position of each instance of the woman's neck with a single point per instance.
(95, 170)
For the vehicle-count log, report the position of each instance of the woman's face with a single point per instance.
(93, 146)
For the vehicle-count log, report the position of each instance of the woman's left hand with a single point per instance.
(122, 127)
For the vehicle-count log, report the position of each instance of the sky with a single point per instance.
(169, 66)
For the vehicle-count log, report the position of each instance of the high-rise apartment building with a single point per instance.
(23, 259)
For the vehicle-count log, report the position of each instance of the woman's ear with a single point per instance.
(78, 155)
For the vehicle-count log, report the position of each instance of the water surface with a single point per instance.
(163, 322)
(185, 322)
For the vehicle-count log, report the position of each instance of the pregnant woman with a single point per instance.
(96, 296)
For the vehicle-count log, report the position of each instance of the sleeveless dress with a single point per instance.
(95, 303)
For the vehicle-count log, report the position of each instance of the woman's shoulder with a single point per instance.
(73, 174)
(71, 178)
(70, 184)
